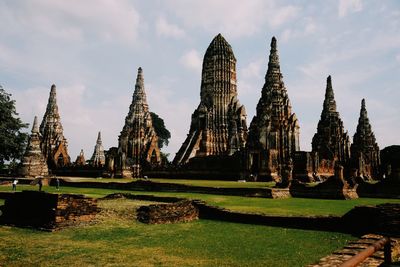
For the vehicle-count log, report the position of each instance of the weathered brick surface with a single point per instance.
(182, 211)
(354, 247)
(332, 188)
(382, 219)
(47, 211)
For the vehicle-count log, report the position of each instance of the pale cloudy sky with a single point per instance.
(91, 50)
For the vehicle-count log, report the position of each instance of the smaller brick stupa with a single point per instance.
(365, 156)
(98, 158)
(34, 163)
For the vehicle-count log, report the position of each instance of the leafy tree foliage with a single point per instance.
(163, 134)
(12, 140)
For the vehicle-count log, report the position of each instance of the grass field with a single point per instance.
(118, 240)
(290, 206)
(207, 183)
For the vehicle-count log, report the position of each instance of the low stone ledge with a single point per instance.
(143, 197)
(47, 211)
(384, 218)
(354, 247)
(383, 189)
(325, 223)
(332, 188)
(381, 219)
(280, 193)
(182, 211)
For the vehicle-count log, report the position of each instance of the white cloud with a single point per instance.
(349, 6)
(305, 27)
(176, 113)
(192, 60)
(343, 52)
(73, 20)
(283, 15)
(164, 28)
(242, 18)
(253, 69)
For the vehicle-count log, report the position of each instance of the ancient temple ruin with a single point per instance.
(80, 159)
(365, 156)
(138, 141)
(218, 125)
(98, 158)
(274, 131)
(54, 145)
(33, 162)
(330, 145)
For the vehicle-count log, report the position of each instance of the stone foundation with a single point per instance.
(332, 188)
(384, 189)
(47, 211)
(182, 211)
(382, 219)
(352, 248)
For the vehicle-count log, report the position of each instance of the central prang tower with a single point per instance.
(218, 125)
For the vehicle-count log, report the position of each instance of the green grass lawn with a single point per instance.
(118, 240)
(290, 206)
(207, 183)
(213, 183)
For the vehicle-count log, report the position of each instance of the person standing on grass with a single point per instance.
(40, 183)
(14, 185)
(57, 184)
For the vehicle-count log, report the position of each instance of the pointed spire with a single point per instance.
(329, 102)
(98, 158)
(139, 94)
(365, 146)
(52, 133)
(273, 76)
(51, 115)
(273, 43)
(273, 63)
(363, 111)
(35, 127)
(364, 126)
(139, 78)
(99, 142)
(53, 95)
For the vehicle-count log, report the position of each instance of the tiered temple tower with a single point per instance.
(54, 144)
(138, 141)
(33, 163)
(330, 145)
(274, 130)
(365, 155)
(218, 125)
(98, 158)
(80, 159)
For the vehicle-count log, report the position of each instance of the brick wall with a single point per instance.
(47, 211)
(182, 211)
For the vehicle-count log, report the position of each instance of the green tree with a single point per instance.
(162, 132)
(12, 140)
